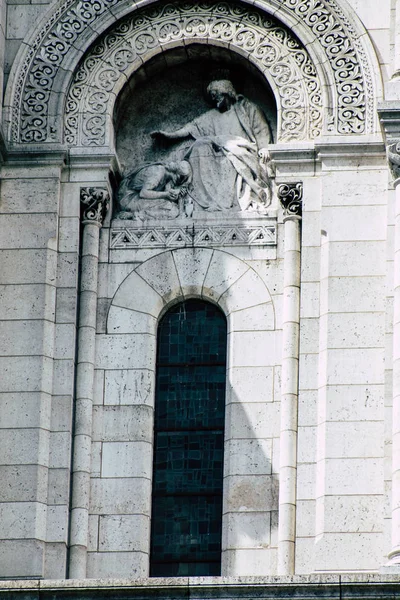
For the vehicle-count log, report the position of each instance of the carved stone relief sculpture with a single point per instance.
(227, 167)
(155, 190)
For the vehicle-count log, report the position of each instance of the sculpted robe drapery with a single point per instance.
(226, 145)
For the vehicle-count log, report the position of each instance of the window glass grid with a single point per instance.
(188, 441)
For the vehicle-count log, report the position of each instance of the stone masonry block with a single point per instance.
(39, 230)
(127, 459)
(246, 530)
(122, 423)
(248, 457)
(250, 384)
(132, 565)
(125, 351)
(121, 533)
(250, 493)
(120, 496)
(28, 266)
(29, 195)
(252, 420)
(133, 386)
(30, 558)
(23, 483)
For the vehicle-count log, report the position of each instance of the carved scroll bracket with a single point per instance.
(393, 156)
(290, 196)
(94, 204)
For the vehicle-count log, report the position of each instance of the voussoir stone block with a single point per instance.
(222, 272)
(124, 320)
(160, 272)
(248, 290)
(192, 266)
(136, 294)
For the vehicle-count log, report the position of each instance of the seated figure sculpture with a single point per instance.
(229, 156)
(153, 191)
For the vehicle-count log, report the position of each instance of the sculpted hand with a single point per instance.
(159, 135)
(172, 194)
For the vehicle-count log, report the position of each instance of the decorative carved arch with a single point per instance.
(322, 79)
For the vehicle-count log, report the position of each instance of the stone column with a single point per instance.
(394, 555)
(290, 196)
(94, 204)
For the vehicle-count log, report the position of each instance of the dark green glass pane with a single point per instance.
(181, 569)
(186, 529)
(188, 462)
(192, 332)
(190, 397)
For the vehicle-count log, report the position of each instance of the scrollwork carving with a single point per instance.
(268, 44)
(290, 196)
(94, 203)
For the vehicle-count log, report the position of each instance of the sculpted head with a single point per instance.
(181, 170)
(222, 94)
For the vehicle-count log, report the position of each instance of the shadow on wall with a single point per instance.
(250, 505)
(123, 415)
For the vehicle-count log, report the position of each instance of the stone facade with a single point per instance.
(303, 261)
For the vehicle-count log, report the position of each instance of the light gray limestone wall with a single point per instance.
(389, 319)
(379, 21)
(28, 241)
(19, 18)
(349, 486)
(2, 49)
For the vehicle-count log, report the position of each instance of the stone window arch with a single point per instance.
(128, 349)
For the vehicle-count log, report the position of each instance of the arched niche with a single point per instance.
(170, 90)
(66, 78)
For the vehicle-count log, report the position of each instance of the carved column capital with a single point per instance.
(290, 196)
(393, 156)
(94, 202)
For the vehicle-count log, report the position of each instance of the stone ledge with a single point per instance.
(307, 587)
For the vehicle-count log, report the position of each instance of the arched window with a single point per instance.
(188, 441)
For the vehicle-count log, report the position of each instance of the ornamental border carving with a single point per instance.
(347, 68)
(123, 238)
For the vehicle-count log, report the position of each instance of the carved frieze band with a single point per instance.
(290, 196)
(204, 236)
(94, 204)
(268, 44)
